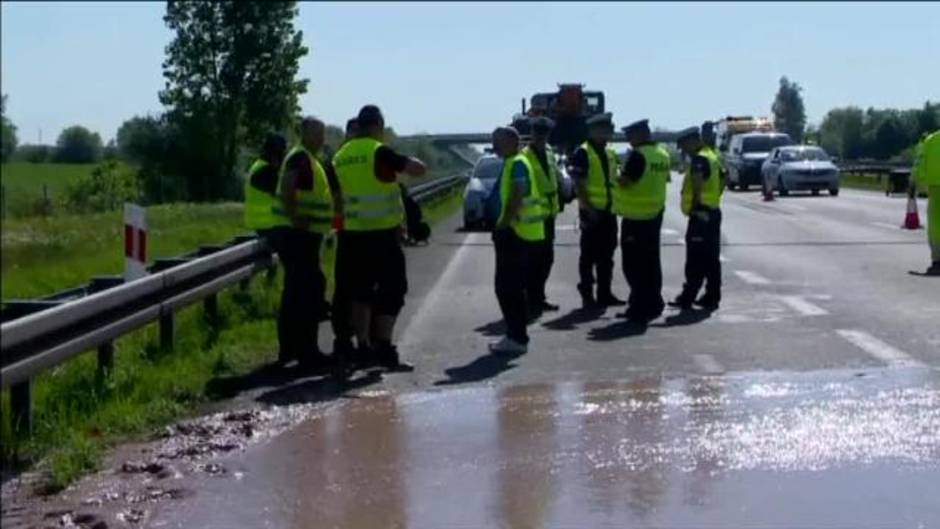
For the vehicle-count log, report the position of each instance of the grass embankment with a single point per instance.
(76, 414)
(870, 182)
(23, 184)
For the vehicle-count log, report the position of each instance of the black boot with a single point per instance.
(682, 302)
(387, 355)
(587, 298)
(607, 299)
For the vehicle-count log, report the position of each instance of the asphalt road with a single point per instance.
(810, 399)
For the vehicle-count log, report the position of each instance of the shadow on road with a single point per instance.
(482, 368)
(685, 317)
(317, 390)
(266, 376)
(574, 318)
(493, 328)
(616, 331)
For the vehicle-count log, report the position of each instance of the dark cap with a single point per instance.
(688, 134)
(370, 115)
(638, 126)
(352, 124)
(541, 123)
(600, 120)
(274, 143)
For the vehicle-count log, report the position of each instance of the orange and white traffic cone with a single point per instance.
(911, 219)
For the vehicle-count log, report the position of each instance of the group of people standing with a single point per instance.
(635, 192)
(295, 201)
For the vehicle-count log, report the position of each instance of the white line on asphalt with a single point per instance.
(723, 259)
(878, 349)
(670, 231)
(435, 296)
(799, 304)
(566, 227)
(752, 277)
(707, 364)
(888, 226)
(796, 207)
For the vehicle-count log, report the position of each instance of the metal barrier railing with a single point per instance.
(43, 333)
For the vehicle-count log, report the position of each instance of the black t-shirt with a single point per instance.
(265, 179)
(700, 166)
(388, 164)
(635, 165)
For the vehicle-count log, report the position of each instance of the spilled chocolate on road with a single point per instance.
(821, 449)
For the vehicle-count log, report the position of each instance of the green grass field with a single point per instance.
(77, 415)
(23, 183)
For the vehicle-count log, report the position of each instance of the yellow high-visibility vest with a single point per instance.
(529, 225)
(599, 185)
(368, 203)
(711, 187)
(547, 182)
(645, 198)
(316, 205)
(258, 203)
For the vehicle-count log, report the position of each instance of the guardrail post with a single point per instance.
(210, 307)
(21, 407)
(105, 359)
(167, 325)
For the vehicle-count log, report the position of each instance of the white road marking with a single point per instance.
(752, 277)
(670, 231)
(707, 364)
(435, 296)
(888, 226)
(723, 259)
(878, 349)
(566, 227)
(799, 304)
(796, 207)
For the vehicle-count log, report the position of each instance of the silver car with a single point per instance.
(480, 195)
(799, 167)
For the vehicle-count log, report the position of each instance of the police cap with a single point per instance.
(688, 134)
(541, 123)
(369, 115)
(601, 120)
(642, 125)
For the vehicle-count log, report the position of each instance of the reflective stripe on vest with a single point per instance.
(316, 205)
(258, 203)
(529, 224)
(368, 203)
(547, 183)
(599, 184)
(711, 188)
(646, 197)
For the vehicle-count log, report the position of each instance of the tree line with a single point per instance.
(851, 133)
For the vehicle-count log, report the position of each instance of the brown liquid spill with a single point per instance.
(774, 449)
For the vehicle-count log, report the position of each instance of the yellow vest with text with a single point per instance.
(316, 205)
(547, 183)
(711, 187)
(529, 224)
(258, 203)
(645, 198)
(599, 186)
(368, 203)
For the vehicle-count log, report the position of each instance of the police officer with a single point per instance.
(370, 263)
(640, 199)
(926, 174)
(701, 200)
(261, 185)
(545, 167)
(305, 210)
(593, 167)
(519, 232)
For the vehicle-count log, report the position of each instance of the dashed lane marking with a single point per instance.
(886, 225)
(707, 364)
(670, 231)
(804, 307)
(886, 353)
(752, 277)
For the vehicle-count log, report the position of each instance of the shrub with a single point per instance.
(107, 188)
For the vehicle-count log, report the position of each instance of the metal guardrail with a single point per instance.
(43, 333)
(895, 176)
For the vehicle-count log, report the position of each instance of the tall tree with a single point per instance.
(789, 113)
(7, 132)
(231, 76)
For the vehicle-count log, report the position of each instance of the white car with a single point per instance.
(479, 197)
(799, 167)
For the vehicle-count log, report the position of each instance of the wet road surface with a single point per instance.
(825, 449)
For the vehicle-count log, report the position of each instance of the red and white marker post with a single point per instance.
(135, 242)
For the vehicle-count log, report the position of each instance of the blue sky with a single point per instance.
(465, 67)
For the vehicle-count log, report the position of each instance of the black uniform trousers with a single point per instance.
(702, 257)
(541, 265)
(513, 256)
(302, 298)
(598, 244)
(642, 267)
